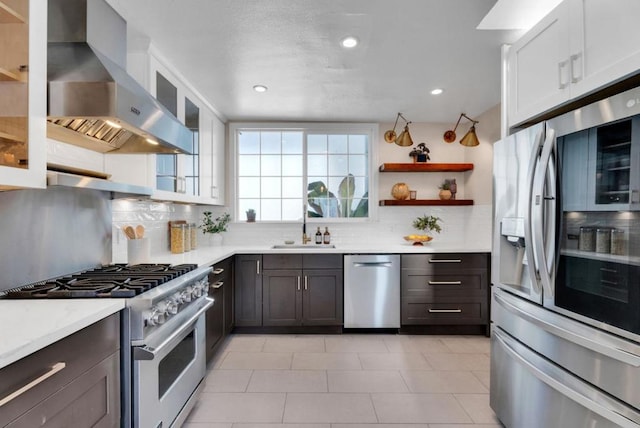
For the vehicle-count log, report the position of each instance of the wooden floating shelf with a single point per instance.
(10, 16)
(11, 138)
(416, 202)
(8, 76)
(426, 167)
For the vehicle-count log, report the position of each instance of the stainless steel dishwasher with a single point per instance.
(372, 291)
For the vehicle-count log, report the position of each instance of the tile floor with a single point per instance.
(347, 381)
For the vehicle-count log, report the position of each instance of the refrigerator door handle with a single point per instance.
(574, 389)
(556, 328)
(543, 226)
(528, 232)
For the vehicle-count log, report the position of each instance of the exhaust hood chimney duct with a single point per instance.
(92, 101)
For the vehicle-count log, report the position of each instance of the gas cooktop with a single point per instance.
(111, 281)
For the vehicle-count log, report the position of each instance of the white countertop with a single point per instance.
(30, 325)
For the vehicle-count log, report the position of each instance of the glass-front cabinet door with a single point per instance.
(22, 94)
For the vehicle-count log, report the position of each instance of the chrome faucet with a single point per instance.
(305, 239)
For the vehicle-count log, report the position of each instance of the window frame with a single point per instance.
(370, 129)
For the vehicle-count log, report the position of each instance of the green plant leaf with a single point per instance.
(346, 189)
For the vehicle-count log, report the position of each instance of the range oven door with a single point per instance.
(169, 369)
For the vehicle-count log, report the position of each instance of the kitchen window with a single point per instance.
(327, 167)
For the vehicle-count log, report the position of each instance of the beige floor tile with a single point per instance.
(206, 425)
(382, 426)
(281, 425)
(419, 408)
(326, 361)
(362, 343)
(484, 377)
(428, 345)
(366, 381)
(246, 343)
(329, 408)
(288, 381)
(395, 361)
(442, 382)
(257, 360)
(477, 406)
(464, 362)
(465, 426)
(294, 344)
(227, 380)
(217, 359)
(468, 345)
(238, 407)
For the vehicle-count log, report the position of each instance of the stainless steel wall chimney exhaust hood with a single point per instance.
(92, 101)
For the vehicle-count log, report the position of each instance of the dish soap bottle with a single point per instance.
(326, 236)
(318, 236)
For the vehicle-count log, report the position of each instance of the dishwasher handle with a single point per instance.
(372, 264)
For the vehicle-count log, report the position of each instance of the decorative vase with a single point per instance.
(445, 195)
(214, 239)
(400, 191)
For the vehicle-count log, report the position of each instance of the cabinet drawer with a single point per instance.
(443, 313)
(444, 262)
(322, 261)
(65, 360)
(282, 261)
(466, 283)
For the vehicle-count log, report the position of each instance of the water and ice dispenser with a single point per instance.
(513, 259)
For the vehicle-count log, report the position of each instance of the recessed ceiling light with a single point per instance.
(437, 91)
(349, 42)
(260, 88)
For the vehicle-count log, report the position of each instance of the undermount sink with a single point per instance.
(303, 247)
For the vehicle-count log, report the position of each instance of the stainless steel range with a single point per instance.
(163, 332)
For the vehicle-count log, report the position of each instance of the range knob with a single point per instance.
(172, 307)
(156, 317)
(186, 295)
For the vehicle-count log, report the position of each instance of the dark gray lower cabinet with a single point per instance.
(248, 290)
(83, 386)
(219, 317)
(294, 295)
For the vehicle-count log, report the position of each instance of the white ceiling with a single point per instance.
(407, 48)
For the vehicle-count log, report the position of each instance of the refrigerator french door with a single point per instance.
(566, 269)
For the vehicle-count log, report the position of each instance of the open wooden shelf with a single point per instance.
(11, 138)
(7, 76)
(426, 167)
(416, 202)
(9, 16)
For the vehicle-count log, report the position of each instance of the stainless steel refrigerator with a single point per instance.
(565, 345)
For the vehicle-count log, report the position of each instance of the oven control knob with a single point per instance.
(156, 317)
(186, 294)
(197, 290)
(172, 307)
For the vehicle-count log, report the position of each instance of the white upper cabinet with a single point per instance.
(580, 47)
(23, 94)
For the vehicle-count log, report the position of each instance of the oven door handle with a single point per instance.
(148, 353)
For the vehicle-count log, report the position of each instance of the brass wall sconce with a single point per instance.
(404, 139)
(470, 139)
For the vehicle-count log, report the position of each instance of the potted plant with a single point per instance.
(445, 190)
(425, 224)
(420, 153)
(215, 227)
(251, 215)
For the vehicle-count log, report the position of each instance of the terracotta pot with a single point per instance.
(400, 191)
(445, 195)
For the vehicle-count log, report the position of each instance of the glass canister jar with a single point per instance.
(193, 235)
(178, 234)
(587, 239)
(603, 240)
(617, 242)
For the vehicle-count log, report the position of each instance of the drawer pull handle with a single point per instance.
(18, 392)
(608, 270)
(445, 311)
(218, 271)
(614, 283)
(445, 282)
(217, 285)
(445, 261)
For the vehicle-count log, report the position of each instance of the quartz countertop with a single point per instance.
(30, 325)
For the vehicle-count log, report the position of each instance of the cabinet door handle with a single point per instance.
(298, 283)
(445, 282)
(445, 311)
(217, 285)
(218, 271)
(306, 282)
(445, 261)
(258, 267)
(18, 392)
(574, 61)
(608, 270)
(562, 83)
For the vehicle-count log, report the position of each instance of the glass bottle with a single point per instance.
(318, 236)
(326, 236)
